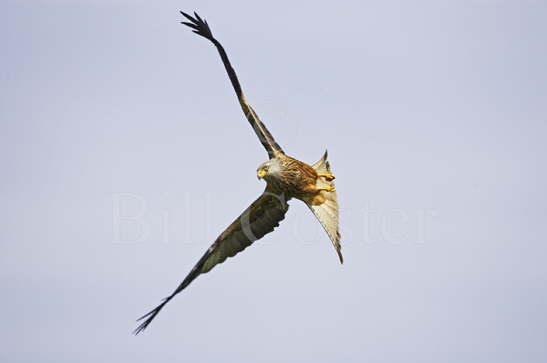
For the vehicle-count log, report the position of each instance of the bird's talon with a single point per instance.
(329, 189)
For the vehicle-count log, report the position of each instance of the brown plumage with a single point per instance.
(297, 179)
(286, 178)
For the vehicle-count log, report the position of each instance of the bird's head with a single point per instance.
(269, 169)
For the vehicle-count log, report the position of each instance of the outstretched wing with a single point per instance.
(327, 211)
(262, 216)
(201, 27)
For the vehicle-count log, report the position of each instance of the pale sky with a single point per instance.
(125, 154)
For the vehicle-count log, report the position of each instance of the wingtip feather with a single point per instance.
(198, 17)
(187, 16)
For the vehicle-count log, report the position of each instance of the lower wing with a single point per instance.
(260, 218)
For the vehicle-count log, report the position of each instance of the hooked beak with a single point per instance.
(260, 174)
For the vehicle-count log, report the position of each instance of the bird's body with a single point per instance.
(295, 178)
(286, 178)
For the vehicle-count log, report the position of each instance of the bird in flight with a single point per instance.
(285, 177)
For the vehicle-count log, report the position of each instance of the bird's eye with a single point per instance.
(266, 168)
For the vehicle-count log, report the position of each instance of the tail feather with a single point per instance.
(327, 211)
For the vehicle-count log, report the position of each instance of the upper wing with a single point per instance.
(201, 27)
(327, 212)
(262, 216)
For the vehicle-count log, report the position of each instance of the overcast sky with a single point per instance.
(124, 155)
